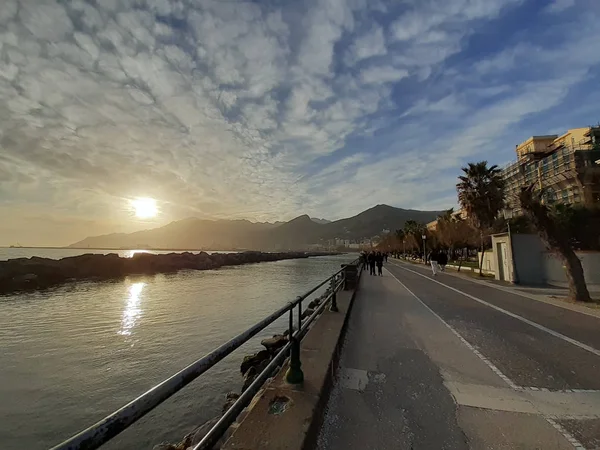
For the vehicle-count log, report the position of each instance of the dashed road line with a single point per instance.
(568, 436)
(511, 314)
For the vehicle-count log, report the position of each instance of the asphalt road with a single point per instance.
(447, 363)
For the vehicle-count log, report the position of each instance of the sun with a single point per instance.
(144, 208)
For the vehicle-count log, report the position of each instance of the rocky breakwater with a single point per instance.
(38, 273)
(250, 368)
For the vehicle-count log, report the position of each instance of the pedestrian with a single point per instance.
(372, 263)
(443, 260)
(433, 259)
(385, 256)
(363, 260)
(380, 264)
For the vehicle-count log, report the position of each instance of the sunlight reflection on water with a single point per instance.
(132, 310)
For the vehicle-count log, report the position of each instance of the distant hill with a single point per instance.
(298, 233)
(320, 221)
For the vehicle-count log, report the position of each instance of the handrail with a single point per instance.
(102, 431)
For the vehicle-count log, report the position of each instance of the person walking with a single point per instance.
(380, 264)
(372, 263)
(433, 259)
(442, 260)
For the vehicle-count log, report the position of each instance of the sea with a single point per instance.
(72, 354)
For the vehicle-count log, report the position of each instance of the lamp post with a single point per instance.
(508, 214)
(424, 248)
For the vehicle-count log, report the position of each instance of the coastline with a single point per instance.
(25, 274)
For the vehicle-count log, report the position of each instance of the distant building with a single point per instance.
(432, 226)
(563, 167)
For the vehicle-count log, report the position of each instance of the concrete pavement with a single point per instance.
(447, 363)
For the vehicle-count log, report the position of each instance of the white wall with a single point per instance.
(555, 272)
(489, 263)
(527, 252)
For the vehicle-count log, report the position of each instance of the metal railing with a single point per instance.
(109, 427)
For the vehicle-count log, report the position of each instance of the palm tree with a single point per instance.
(481, 195)
(556, 239)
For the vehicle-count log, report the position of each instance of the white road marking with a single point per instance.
(568, 436)
(508, 313)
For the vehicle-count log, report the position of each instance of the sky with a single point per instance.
(266, 110)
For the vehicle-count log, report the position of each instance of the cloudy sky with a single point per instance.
(269, 109)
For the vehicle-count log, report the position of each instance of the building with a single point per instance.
(460, 214)
(562, 167)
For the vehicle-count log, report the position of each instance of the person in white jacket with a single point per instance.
(433, 259)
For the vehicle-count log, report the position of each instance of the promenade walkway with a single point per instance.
(448, 363)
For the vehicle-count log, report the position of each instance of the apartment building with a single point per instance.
(563, 167)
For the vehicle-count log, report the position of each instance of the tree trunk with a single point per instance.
(482, 255)
(575, 276)
(556, 241)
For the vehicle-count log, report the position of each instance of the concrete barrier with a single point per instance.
(288, 417)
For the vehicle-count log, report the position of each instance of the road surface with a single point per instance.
(448, 363)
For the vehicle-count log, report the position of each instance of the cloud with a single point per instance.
(260, 110)
(382, 74)
(558, 6)
(368, 45)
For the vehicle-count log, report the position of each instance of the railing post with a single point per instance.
(334, 306)
(294, 374)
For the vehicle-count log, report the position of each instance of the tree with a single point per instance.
(414, 232)
(556, 240)
(454, 233)
(481, 195)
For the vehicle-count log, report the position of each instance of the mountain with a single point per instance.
(320, 221)
(298, 233)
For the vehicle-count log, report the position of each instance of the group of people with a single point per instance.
(438, 260)
(370, 260)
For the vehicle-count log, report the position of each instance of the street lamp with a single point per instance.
(508, 215)
(424, 248)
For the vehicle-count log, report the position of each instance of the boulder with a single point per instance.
(38, 273)
(274, 344)
(249, 377)
(231, 399)
(166, 446)
(254, 360)
(307, 313)
(197, 434)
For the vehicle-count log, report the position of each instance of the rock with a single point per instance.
(307, 313)
(254, 360)
(316, 302)
(231, 399)
(274, 344)
(197, 434)
(165, 446)
(38, 273)
(249, 377)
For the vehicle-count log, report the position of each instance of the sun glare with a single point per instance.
(144, 208)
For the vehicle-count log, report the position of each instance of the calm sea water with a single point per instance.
(73, 354)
